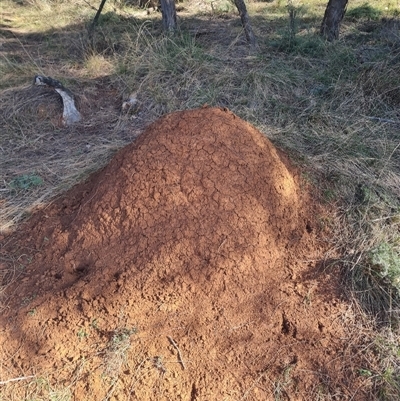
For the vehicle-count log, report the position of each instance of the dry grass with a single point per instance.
(332, 107)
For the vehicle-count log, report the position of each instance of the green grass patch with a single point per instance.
(26, 181)
(365, 11)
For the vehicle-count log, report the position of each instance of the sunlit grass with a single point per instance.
(43, 16)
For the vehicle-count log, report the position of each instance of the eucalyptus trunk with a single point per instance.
(244, 16)
(168, 11)
(333, 17)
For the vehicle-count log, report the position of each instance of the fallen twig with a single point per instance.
(383, 120)
(179, 352)
(16, 379)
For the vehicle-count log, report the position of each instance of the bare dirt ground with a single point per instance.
(189, 268)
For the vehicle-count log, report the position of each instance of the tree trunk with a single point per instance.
(248, 30)
(334, 14)
(95, 20)
(168, 11)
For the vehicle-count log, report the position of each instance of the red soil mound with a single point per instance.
(184, 270)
